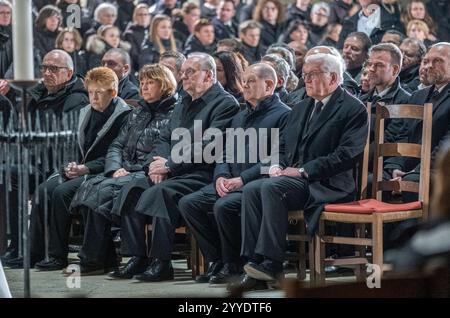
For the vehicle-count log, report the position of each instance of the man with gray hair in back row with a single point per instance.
(171, 177)
(324, 137)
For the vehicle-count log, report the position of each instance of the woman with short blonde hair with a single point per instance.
(162, 75)
(100, 123)
(104, 77)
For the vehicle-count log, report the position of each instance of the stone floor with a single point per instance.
(56, 285)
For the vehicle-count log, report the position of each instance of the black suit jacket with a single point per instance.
(222, 31)
(395, 130)
(440, 128)
(329, 151)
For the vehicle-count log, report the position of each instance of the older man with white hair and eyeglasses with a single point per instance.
(324, 137)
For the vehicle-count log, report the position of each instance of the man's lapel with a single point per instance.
(328, 111)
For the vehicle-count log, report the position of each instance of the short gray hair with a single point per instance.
(64, 56)
(280, 65)
(285, 54)
(125, 57)
(104, 7)
(207, 63)
(328, 63)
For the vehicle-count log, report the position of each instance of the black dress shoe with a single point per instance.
(213, 269)
(18, 262)
(228, 271)
(247, 283)
(52, 264)
(157, 271)
(136, 265)
(11, 253)
(266, 271)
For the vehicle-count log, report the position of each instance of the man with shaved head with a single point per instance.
(61, 91)
(435, 73)
(219, 235)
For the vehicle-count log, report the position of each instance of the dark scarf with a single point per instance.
(96, 122)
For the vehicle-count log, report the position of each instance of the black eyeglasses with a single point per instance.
(51, 68)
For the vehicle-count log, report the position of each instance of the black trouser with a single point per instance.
(57, 195)
(218, 235)
(98, 246)
(160, 200)
(264, 214)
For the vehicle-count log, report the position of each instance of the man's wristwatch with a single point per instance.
(303, 173)
(166, 165)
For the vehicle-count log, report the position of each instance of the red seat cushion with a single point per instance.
(370, 206)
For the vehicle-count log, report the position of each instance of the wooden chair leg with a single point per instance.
(360, 271)
(301, 274)
(196, 258)
(312, 262)
(377, 238)
(320, 255)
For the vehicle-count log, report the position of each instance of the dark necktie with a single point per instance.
(434, 96)
(375, 99)
(316, 112)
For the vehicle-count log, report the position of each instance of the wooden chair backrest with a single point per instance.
(421, 151)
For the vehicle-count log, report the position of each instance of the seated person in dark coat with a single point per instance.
(224, 26)
(435, 74)
(119, 61)
(99, 124)
(384, 64)
(355, 53)
(203, 40)
(171, 176)
(283, 70)
(323, 140)
(250, 35)
(99, 198)
(159, 40)
(218, 235)
(413, 52)
(60, 92)
(173, 61)
(229, 73)
(374, 18)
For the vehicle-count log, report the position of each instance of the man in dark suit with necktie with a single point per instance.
(324, 138)
(434, 73)
(224, 26)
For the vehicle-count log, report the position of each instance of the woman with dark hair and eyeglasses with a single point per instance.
(229, 73)
(46, 29)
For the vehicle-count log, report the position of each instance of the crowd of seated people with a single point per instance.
(138, 71)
